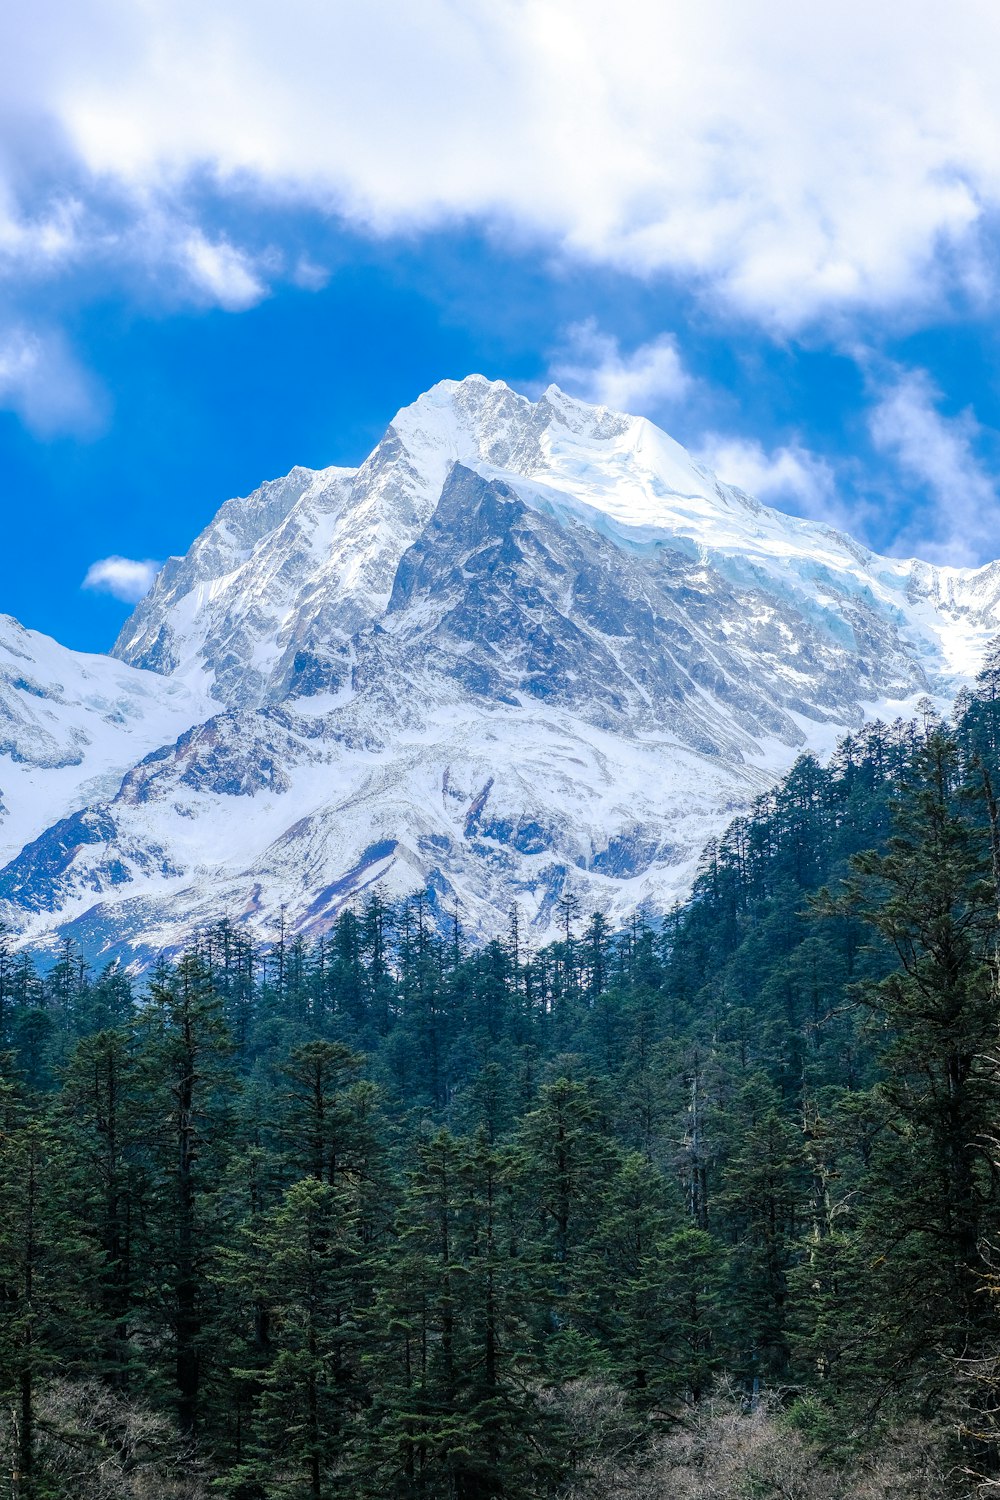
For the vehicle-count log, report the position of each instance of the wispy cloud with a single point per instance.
(793, 478)
(41, 240)
(42, 381)
(960, 523)
(788, 475)
(123, 577)
(592, 364)
(225, 274)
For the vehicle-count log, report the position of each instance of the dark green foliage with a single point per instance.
(306, 1269)
(372, 1216)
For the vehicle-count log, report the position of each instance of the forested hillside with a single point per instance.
(704, 1211)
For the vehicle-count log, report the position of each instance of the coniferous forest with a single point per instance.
(706, 1208)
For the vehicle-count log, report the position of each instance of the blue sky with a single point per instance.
(235, 238)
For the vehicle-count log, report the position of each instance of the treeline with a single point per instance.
(390, 1216)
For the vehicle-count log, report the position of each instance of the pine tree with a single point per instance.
(47, 1273)
(762, 1197)
(102, 1118)
(567, 1166)
(310, 1267)
(187, 1045)
(319, 1125)
(930, 1193)
(453, 1415)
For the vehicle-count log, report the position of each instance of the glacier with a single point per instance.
(526, 647)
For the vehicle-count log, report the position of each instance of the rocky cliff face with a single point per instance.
(524, 646)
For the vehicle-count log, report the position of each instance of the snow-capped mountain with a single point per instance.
(71, 725)
(525, 646)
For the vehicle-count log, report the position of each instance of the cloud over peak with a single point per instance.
(593, 365)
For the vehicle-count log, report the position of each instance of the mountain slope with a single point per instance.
(71, 725)
(523, 646)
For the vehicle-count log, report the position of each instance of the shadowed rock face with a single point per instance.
(513, 602)
(522, 646)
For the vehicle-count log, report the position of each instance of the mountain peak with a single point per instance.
(528, 644)
(312, 557)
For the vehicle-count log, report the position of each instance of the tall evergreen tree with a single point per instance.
(187, 1046)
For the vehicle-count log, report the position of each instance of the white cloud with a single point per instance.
(962, 523)
(592, 365)
(310, 276)
(222, 272)
(124, 577)
(39, 241)
(793, 479)
(134, 232)
(958, 520)
(795, 160)
(789, 476)
(42, 382)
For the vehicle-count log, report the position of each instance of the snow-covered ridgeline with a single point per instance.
(525, 644)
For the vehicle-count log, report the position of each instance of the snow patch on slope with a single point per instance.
(71, 725)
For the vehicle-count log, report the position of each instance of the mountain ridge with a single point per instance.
(524, 646)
